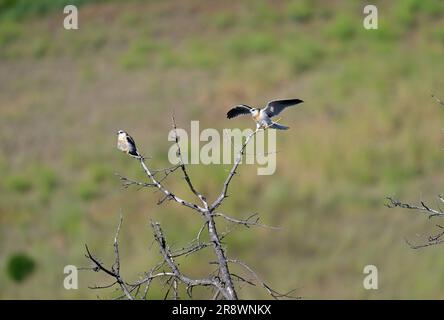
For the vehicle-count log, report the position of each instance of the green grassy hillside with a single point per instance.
(368, 129)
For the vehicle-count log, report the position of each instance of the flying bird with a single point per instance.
(263, 116)
(126, 144)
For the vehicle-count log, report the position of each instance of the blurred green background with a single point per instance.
(368, 129)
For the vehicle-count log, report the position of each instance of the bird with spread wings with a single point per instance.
(263, 116)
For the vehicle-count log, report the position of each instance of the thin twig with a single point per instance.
(223, 194)
(169, 194)
(182, 166)
(252, 220)
(118, 278)
(165, 251)
(432, 239)
(271, 292)
(423, 207)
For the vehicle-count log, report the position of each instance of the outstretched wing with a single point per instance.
(278, 126)
(275, 107)
(238, 110)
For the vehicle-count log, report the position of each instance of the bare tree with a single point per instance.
(222, 280)
(433, 239)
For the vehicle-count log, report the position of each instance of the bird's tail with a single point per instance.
(136, 154)
(278, 126)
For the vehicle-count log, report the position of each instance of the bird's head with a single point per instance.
(255, 111)
(120, 132)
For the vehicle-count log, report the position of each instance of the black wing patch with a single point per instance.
(275, 107)
(132, 146)
(130, 140)
(238, 110)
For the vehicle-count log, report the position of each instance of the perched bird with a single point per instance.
(262, 117)
(126, 144)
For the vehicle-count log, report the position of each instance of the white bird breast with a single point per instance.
(122, 144)
(263, 118)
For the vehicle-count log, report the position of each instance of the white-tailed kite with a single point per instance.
(262, 117)
(126, 144)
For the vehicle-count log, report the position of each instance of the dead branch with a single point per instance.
(182, 166)
(115, 269)
(432, 240)
(423, 207)
(276, 295)
(167, 271)
(165, 251)
(252, 220)
(223, 194)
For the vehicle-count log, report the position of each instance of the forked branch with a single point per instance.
(168, 271)
(433, 239)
